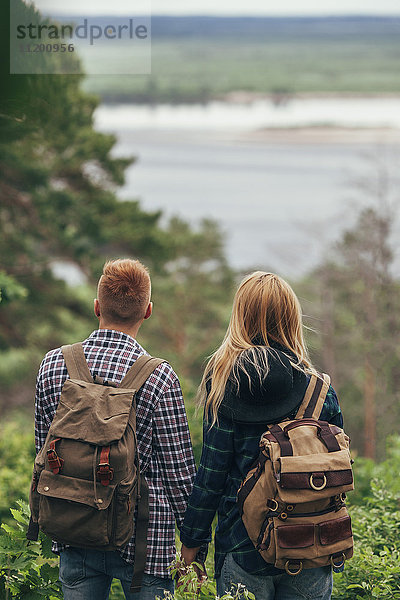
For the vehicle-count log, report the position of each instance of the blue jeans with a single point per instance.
(310, 584)
(87, 575)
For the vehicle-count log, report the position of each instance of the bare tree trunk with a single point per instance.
(370, 411)
(328, 330)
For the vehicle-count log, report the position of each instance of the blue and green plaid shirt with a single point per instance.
(229, 450)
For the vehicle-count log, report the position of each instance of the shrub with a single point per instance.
(366, 471)
(17, 454)
(28, 570)
(190, 589)
(374, 571)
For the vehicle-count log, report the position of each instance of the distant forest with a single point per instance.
(264, 28)
(285, 28)
(198, 59)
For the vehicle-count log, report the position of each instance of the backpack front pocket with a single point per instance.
(335, 531)
(328, 539)
(72, 513)
(313, 476)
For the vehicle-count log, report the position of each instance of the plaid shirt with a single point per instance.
(229, 450)
(165, 449)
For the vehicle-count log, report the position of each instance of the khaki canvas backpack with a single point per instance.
(86, 478)
(292, 501)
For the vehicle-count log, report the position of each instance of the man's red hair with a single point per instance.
(124, 291)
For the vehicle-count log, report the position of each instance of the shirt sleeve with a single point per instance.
(41, 424)
(174, 450)
(331, 411)
(215, 464)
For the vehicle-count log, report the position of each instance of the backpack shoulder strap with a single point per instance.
(140, 371)
(75, 360)
(314, 398)
(142, 525)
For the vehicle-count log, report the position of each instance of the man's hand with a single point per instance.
(189, 556)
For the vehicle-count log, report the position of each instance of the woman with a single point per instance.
(244, 388)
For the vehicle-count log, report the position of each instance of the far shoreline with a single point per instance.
(323, 135)
(307, 119)
(245, 98)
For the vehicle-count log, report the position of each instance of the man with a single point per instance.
(164, 446)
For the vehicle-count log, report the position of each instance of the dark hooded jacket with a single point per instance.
(229, 449)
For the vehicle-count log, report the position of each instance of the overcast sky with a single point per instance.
(213, 7)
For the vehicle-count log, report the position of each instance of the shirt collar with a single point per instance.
(112, 336)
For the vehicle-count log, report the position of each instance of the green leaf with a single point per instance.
(8, 529)
(49, 573)
(19, 517)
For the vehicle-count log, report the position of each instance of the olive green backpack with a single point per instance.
(86, 478)
(292, 501)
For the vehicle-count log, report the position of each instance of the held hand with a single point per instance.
(189, 556)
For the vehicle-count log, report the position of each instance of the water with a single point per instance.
(281, 197)
(222, 116)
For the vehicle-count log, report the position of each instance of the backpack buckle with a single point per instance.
(104, 473)
(55, 462)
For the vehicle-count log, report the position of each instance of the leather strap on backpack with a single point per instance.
(314, 398)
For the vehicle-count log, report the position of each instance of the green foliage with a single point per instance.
(17, 452)
(28, 570)
(374, 571)
(190, 589)
(116, 593)
(10, 289)
(366, 472)
(378, 576)
(354, 297)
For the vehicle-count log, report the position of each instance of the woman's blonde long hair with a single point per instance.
(265, 310)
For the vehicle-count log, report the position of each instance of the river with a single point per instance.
(278, 179)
